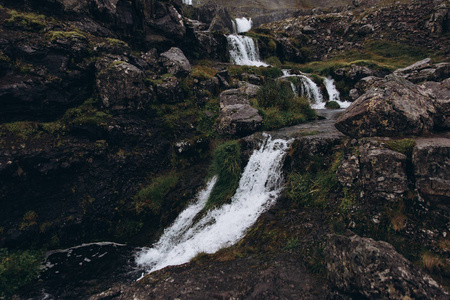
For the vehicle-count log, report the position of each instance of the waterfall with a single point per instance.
(243, 25)
(187, 2)
(244, 51)
(259, 187)
(333, 93)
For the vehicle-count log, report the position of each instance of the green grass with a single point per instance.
(151, 198)
(267, 72)
(55, 35)
(279, 107)
(226, 165)
(17, 269)
(404, 146)
(27, 21)
(379, 55)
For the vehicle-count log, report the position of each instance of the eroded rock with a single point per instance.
(121, 85)
(396, 107)
(237, 116)
(441, 92)
(373, 269)
(431, 159)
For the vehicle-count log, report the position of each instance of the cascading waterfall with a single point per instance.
(333, 93)
(309, 89)
(259, 187)
(243, 49)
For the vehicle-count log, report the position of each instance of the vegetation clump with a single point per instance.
(279, 107)
(27, 21)
(404, 146)
(151, 198)
(226, 165)
(17, 269)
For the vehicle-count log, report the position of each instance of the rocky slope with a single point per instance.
(107, 126)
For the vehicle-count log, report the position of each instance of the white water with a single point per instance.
(308, 89)
(244, 51)
(243, 24)
(333, 93)
(259, 187)
(188, 2)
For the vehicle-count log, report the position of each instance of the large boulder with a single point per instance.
(396, 107)
(175, 62)
(370, 269)
(221, 22)
(441, 92)
(431, 159)
(121, 85)
(237, 116)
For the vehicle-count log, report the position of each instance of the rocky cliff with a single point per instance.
(110, 110)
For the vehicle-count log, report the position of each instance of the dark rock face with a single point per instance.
(175, 62)
(383, 172)
(441, 92)
(394, 108)
(431, 159)
(169, 90)
(237, 117)
(364, 267)
(121, 85)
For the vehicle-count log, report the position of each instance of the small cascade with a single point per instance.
(333, 93)
(187, 2)
(244, 51)
(308, 88)
(243, 24)
(259, 187)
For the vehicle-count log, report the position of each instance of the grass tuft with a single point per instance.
(227, 165)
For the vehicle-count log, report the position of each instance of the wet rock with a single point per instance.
(354, 73)
(441, 92)
(362, 267)
(366, 84)
(121, 85)
(175, 62)
(383, 172)
(431, 159)
(396, 107)
(237, 116)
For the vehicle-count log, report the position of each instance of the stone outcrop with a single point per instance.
(373, 269)
(441, 93)
(424, 70)
(431, 159)
(121, 85)
(237, 116)
(383, 172)
(169, 90)
(175, 62)
(395, 107)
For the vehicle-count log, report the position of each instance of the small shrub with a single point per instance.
(332, 105)
(152, 197)
(227, 166)
(431, 262)
(271, 72)
(291, 244)
(17, 269)
(29, 219)
(275, 94)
